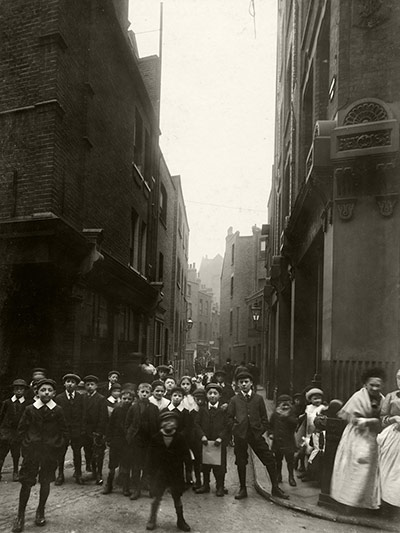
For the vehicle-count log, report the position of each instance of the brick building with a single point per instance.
(80, 189)
(334, 276)
(242, 287)
(210, 274)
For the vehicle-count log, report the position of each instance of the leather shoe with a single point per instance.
(204, 489)
(278, 493)
(79, 480)
(241, 494)
(59, 481)
(18, 524)
(220, 491)
(15, 476)
(135, 495)
(40, 520)
(292, 482)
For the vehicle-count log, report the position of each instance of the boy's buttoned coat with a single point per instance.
(10, 415)
(43, 429)
(73, 412)
(245, 415)
(95, 414)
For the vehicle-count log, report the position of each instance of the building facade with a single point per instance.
(333, 291)
(242, 288)
(80, 189)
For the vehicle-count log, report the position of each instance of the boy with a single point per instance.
(157, 398)
(226, 388)
(119, 455)
(162, 372)
(11, 411)
(200, 397)
(248, 419)
(112, 377)
(169, 383)
(283, 425)
(141, 424)
(94, 425)
(168, 452)
(37, 375)
(72, 405)
(43, 432)
(211, 424)
(113, 398)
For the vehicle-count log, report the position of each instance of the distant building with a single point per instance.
(242, 286)
(334, 214)
(210, 274)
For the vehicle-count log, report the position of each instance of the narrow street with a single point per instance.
(84, 509)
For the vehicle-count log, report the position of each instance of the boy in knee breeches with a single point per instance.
(168, 452)
(11, 411)
(211, 424)
(43, 432)
(248, 419)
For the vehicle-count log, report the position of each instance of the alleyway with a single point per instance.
(83, 509)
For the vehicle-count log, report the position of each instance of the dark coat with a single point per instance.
(43, 429)
(185, 422)
(283, 429)
(10, 415)
(227, 393)
(116, 436)
(244, 415)
(165, 464)
(73, 412)
(213, 424)
(95, 414)
(142, 422)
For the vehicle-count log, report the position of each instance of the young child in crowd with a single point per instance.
(283, 425)
(141, 424)
(190, 404)
(162, 372)
(113, 398)
(43, 432)
(200, 397)
(119, 450)
(315, 406)
(94, 427)
(212, 425)
(72, 405)
(226, 388)
(112, 377)
(157, 398)
(169, 383)
(11, 411)
(168, 452)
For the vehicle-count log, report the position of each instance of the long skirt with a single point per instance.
(355, 472)
(389, 465)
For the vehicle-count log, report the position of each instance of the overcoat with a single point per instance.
(73, 412)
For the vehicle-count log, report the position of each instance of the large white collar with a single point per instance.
(180, 407)
(39, 404)
(111, 399)
(15, 399)
(210, 406)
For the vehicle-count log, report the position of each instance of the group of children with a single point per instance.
(158, 434)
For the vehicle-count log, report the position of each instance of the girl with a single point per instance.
(157, 398)
(191, 405)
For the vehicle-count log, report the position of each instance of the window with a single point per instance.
(160, 266)
(178, 272)
(263, 245)
(96, 321)
(180, 220)
(200, 331)
(205, 331)
(206, 307)
(147, 157)
(138, 146)
(201, 306)
(142, 244)
(163, 204)
(232, 286)
(133, 249)
(233, 254)
(230, 322)
(237, 323)
(189, 290)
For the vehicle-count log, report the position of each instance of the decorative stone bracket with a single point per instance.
(345, 208)
(386, 204)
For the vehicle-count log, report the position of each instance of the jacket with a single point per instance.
(95, 414)
(43, 428)
(246, 415)
(73, 412)
(212, 423)
(142, 422)
(10, 415)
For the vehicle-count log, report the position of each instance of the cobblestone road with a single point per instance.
(83, 509)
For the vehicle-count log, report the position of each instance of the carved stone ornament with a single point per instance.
(386, 204)
(365, 112)
(372, 13)
(345, 208)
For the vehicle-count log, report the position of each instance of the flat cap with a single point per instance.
(220, 373)
(72, 376)
(214, 386)
(116, 386)
(20, 383)
(41, 370)
(313, 392)
(90, 377)
(167, 415)
(46, 381)
(199, 392)
(284, 398)
(244, 374)
(113, 372)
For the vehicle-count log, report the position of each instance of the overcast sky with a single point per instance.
(217, 109)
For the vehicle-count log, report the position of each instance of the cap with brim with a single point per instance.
(214, 386)
(220, 373)
(313, 392)
(113, 372)
(42, 370)
(74, 377)
(20, 383)
(46, 381)
(90, 377)
(284, 398)
(168, 415)
(199, 392)
(163, 368)
(81, 385)
(116, 386)
(244, 375)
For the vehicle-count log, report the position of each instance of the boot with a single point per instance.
(220, 478)
(188, 475)
(60, 478)
(108, 487)
(135, 494)
(197, 475)
(78, 477)
(181, 524)
(18, 525)
(40, 519)
(15, 476)
(125, 485)
(290, 467)
(278, 492)
(242, 481)
(292, 481)
(205, 488)
(152, 523)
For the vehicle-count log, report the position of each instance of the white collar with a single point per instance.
(213, 406)
(20, 400)
(39, 404)
(180, 407)
(111, 399)
(70, 394)
(247, 393)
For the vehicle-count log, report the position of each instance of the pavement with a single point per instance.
(305, 497)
